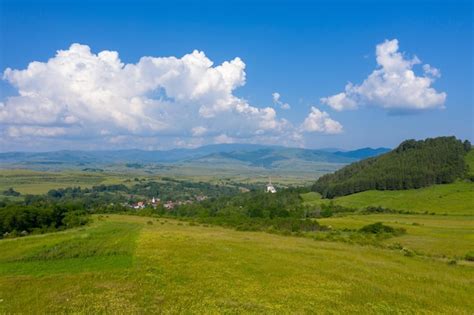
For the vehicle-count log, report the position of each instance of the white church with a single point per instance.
(270, 188)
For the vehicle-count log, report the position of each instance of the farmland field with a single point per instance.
(36, 182)
(138, 264)
(40, 182)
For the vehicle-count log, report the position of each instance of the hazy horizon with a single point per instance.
(198, 147)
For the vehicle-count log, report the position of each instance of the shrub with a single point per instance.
(372, 209)
(11, 192)
(75, 218)
(407, 252)
(470, 256)
(396, 246)
(377, 228)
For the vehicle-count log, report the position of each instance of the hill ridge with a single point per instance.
(413, 164)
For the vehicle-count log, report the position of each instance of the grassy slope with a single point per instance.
(449, 235)
(456, 198)
(124, 264)
(437, 236)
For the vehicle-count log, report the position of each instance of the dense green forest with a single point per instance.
(413, 164)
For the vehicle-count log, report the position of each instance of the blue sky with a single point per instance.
(305, 51)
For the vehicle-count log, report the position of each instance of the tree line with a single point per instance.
(68, 207)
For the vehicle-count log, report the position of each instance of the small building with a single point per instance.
(169, 205)
(139, 205)
(270, 188)
(201, 197)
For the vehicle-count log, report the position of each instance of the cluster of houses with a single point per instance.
(155, 202)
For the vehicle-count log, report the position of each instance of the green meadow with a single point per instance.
(440, 223)
(133, 264)
(450, 237)
(450, 199)
(40, 182)
(137, 264)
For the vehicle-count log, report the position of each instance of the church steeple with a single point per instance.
(270, 187)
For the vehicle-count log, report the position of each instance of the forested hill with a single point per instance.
(413, 164)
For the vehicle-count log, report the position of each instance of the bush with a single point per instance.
(396, 246)
(75, 218)
(377, 228)
(380, 228)
(11, 192)
(372, 209)
(469, 256)
(408, 253)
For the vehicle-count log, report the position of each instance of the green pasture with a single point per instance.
(40, 182)
(452, 199)
(37, 182)
(126, 264)
(436, 236)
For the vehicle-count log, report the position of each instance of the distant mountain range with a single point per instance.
(249, 155)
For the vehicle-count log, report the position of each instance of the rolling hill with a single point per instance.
(454, 198)
(145, 265)
(413, 164)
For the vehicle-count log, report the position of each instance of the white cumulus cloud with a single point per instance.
(78, 95)
(319, 121)
(393, 85)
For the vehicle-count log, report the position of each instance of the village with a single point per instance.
(171, 204)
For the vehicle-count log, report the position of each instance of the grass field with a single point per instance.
(436, 236)
(36, 182)
(452, 199)
(124, 264)
(40, 182)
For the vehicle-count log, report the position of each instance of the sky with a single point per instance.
(164, 74)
